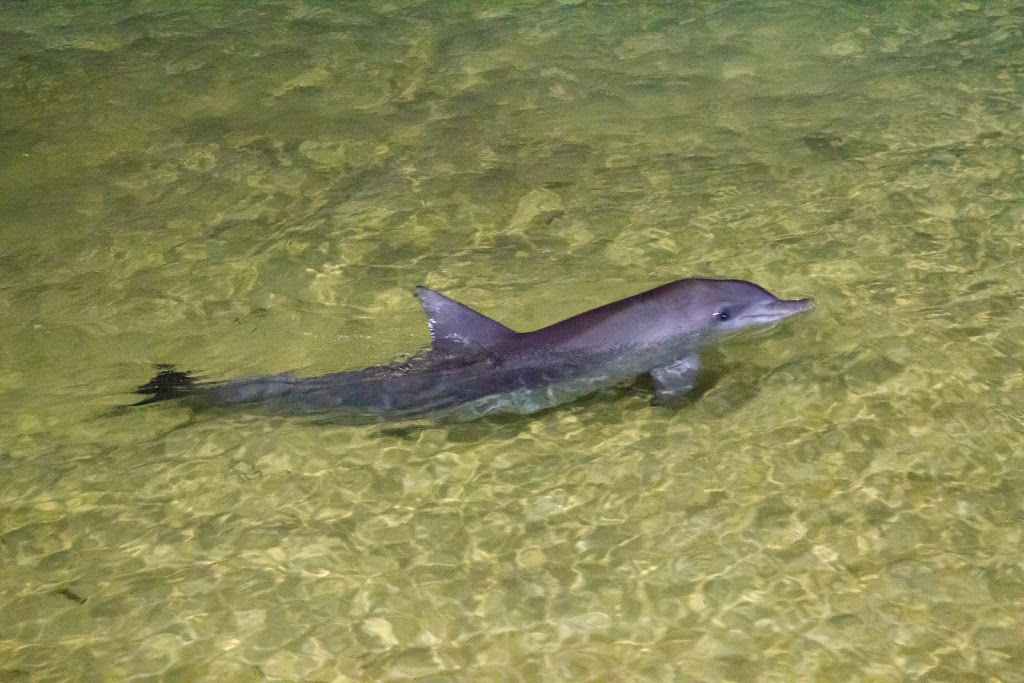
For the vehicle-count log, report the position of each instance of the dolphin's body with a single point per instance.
(476, 366)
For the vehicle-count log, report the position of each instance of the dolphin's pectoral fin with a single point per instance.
(675, 380)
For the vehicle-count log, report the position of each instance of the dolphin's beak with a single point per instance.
(777, 310)
(796, 305)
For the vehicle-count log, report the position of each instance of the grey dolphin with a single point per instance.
(476, 366)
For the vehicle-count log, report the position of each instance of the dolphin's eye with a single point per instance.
(723, 314)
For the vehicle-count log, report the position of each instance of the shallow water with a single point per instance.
(256, 189)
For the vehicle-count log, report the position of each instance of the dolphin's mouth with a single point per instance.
(777, 310)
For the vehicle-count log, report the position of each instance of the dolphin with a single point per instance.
(476, 366)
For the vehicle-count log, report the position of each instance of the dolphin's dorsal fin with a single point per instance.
(455, 327)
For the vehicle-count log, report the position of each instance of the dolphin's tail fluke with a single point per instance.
(167, 385)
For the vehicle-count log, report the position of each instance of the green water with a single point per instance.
(257, 187)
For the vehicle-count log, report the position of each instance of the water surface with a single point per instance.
(252, 189)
